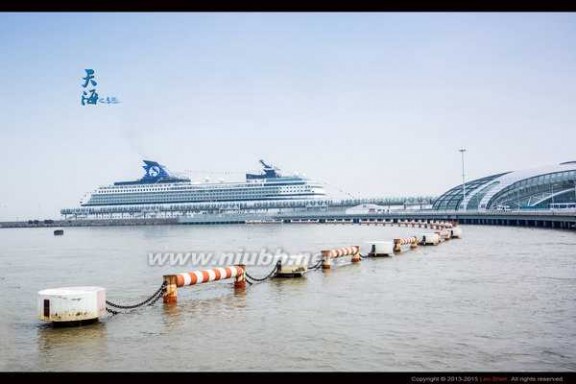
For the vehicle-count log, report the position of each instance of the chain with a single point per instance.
(312, 266)
(264, 278)
(161, 294)
(315, 266)
(113, 312)
(150, 300)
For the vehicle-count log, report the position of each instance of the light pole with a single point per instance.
(462, 150)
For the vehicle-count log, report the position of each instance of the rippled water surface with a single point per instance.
(501, 298)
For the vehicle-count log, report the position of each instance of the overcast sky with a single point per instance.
(373, 104)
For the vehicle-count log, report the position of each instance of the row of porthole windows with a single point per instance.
(186, 195)
(136, 208)
(171, 197)
(116, 190)
(120, 202)
(251, 190)
(101, 198)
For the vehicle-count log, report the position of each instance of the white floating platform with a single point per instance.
(430, 238)
(295, 270)
(71, 305)
(381, 248)
(456, 233)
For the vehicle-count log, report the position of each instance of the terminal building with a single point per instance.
(545, 188)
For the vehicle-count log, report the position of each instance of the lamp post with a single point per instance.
(462, 150)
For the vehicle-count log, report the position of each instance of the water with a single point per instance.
(500, 299)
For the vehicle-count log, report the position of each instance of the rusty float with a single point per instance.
(329, 254)
(173, 282)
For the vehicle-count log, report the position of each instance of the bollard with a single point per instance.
(356, 255)
(240, 282)
(326, 259)
(170, 295)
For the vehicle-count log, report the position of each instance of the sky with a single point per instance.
(370, 104)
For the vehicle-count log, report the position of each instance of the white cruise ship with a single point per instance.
(159, 187)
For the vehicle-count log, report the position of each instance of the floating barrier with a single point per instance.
(71, 305)
(421, 223)
(398, 243)
(79, 305)
(173, 282)
(329, 254)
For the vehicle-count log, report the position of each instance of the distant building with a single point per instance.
(550, 187)
(366, 209)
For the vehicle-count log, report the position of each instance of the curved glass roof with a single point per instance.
(452, 199)
(530, 188)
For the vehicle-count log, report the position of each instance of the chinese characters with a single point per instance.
(90, 96)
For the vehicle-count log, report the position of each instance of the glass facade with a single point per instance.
(540, 188)
(452, 200)
(538, 192)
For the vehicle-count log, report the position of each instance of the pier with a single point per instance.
(547, 219)
(559, 220)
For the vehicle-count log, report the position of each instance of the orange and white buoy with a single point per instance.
(329, 254)
(199, 277)
(398, 243)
